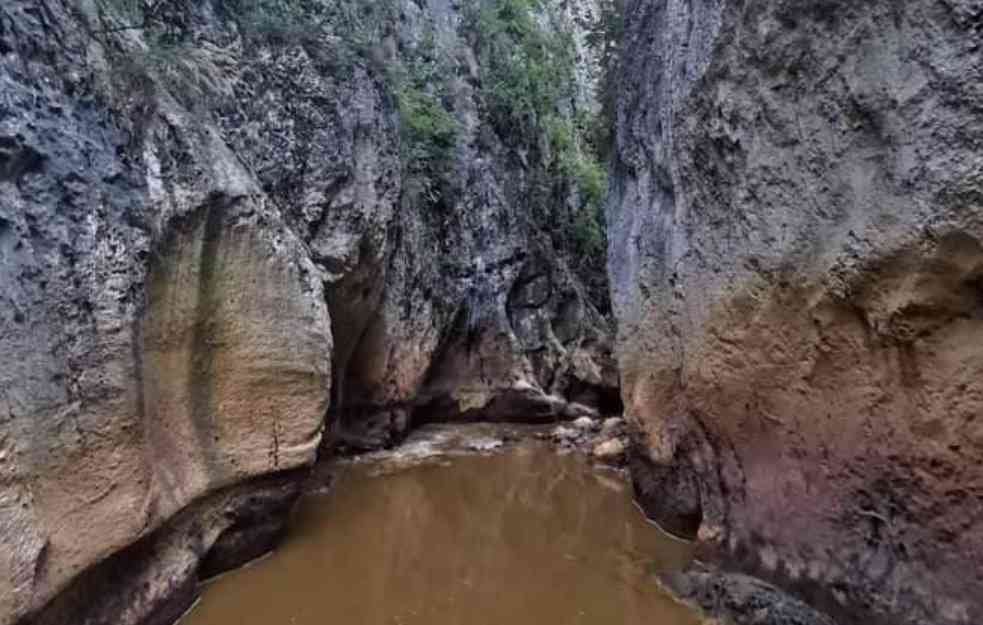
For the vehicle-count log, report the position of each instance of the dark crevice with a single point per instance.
(606, 399)
(668, 494)
(18, 159)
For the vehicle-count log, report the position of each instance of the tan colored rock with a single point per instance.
(165, 339)
(796, 252)
(609, 450)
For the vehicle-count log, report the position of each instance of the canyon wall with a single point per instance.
(210, 255)
(166, 335)
(796, 257)
(487, 311)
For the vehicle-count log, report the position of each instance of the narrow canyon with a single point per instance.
(725, 255)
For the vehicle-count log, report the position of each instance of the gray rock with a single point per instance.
(574, 410)
(563, 433)
(187, 260)
(584, 424)
(165, 332)
(796, 245)
(612, 426)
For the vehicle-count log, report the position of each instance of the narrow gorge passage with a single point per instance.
(242, 239)
(523, 536)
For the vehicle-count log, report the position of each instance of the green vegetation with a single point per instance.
(528, 80)
(604, 36)
(575, 162)
(528, 84)
(428, 134)
(428, 129)
(527, 70)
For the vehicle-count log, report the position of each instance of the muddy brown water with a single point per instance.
(524, 537)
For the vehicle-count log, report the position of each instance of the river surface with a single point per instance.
(522, 537)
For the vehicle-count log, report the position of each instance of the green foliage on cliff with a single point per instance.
(528, 78)
(526, 68)
(575, 161)
(428, 134)
(428, 129)
(605, 34)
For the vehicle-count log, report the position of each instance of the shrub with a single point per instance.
(428, 129)
(428, 132)
(526, 69)
(528, 73)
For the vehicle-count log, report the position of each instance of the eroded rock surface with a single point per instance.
(164, 334)
(484, 316)
(192, 246)
(796, 264)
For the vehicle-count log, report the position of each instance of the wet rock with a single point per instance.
(486, 444)
(563, 433)
(613, 425)
(578, 411)
(741, 599)
(609, 450)
(584, 424)
(155, 580)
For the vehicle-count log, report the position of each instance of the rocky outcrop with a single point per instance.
(166, 334)
(203, 220)
(484, 316)
(796, 263)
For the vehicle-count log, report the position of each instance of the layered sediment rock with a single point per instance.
(796, 263)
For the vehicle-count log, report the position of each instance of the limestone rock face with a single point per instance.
(164, 333)
(201, 254)
(797, 271)
(482, 316)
